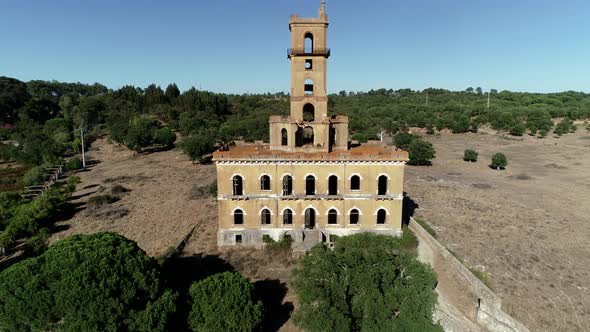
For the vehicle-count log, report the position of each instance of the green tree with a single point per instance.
(470, 155)
(518, 128)
(99, 282)
(172, 92)
(196, 146)
(165, 136)
(499, 161)
(366, 283)
(421, 152)
(224, 302)
(141, 132)
(403, 140)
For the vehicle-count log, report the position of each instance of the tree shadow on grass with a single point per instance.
(272, 292)
(181, 272)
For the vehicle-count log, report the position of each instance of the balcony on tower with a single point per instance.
(302, 52)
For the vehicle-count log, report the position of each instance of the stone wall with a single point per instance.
(489, 305)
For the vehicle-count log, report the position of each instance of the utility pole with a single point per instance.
(83, 156)
(488, 99)
(427, 98)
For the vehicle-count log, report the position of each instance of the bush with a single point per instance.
(421, 152)
(499, 161)
(71, 183)
(565, 126)
(165, 136)
(284, 241)
(33, 176)
(360, 283)
(481, 275)
(517, 129)
(470, 155)
(36, 245)
(224, 302)
(73, 164)
(119, 189)
(98, 201)
(408, 241)
(99, 282)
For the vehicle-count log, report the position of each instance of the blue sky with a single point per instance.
(240, 45)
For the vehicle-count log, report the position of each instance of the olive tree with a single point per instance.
(366, 283)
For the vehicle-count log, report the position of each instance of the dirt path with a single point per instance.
(526, 226)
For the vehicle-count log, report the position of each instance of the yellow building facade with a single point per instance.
(309, 182)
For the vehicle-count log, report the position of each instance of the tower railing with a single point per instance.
(293, 51)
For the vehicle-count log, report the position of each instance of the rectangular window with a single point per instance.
(239, 239)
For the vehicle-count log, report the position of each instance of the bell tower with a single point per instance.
(309, 127)
(309, 57)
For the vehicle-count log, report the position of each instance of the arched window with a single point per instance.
(310, 218)
(287, 185)
(332, 217)
(381, 216)
(355, 182)
(288, 217)
(265, 217)
(265, 182)
(284, 137)
(354, 216)
(308, 87)
(310, 185)
(238, 217)
(238, 189)
(333, 185)
(382, 184)
(308, 113)
(308, 43)
(308, 136)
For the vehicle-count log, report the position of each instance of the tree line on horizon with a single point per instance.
(44, 117)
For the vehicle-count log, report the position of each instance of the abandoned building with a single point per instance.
(309, 182)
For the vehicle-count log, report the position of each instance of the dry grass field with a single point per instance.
(527, 226)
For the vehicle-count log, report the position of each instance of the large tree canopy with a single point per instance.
(224, 302)
(100, 282)
(365, 284)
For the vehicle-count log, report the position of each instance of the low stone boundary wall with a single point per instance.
(489, 312)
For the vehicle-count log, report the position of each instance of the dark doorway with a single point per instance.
(237, 186)
(382, 184)
(310, 185)
(333, 185)
(284, 137)
(310, 218)
(308, 113)
(287, 185)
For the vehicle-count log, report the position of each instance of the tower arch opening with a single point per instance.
(308, 43)
(308, 112)
(310, 218)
